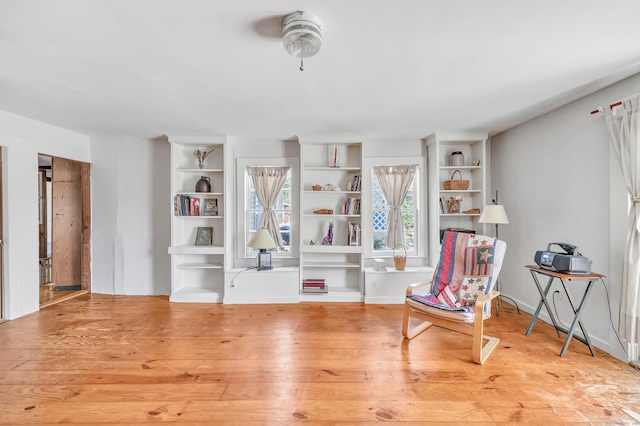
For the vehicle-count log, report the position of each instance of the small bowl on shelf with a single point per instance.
(316, 188)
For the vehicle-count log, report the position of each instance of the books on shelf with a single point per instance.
(314, 285)
(354, 183)
(195, 207)
(352, 206)
(185, 205)
(355, 234)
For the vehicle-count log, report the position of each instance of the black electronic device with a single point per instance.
(569, 261)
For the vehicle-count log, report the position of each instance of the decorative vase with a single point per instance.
(456, 159)
(328, 240)
(201, 155)
(204, 184)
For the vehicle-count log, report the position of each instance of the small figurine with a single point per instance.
(328, 240)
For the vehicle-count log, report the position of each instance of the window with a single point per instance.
(283, 211)
(409, 211)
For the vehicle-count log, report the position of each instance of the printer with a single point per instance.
(567, 261)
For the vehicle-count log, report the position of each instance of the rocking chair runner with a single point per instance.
(461, 291)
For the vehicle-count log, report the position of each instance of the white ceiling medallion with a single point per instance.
(302, 35)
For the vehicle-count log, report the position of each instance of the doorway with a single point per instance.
(64, 229)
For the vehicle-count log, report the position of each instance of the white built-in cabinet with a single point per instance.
(197, 271)
(440, 146)
(332, 162)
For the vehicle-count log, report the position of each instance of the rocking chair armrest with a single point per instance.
(413, 286)
(482, 300)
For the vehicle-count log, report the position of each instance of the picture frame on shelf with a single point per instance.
(204, 236)
(210, 207)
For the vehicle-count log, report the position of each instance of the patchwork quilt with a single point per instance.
(463, 273)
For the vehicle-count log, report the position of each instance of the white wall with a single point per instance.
(131, 216)
(22, 140)
(558, 179)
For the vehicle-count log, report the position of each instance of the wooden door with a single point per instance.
(66, 223)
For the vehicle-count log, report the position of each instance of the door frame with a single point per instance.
(85, 205)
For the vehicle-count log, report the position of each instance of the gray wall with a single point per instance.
(559, 181)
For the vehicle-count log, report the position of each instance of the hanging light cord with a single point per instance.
(302, 50)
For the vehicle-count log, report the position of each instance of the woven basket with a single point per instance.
(458, 184)
(400, 258)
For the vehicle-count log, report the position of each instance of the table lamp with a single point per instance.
(262, 240)
(494, 213)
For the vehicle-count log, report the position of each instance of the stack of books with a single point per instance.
(314, 285)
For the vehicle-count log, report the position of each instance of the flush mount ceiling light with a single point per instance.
(302, 35)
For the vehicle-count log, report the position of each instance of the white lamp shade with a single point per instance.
(262, 240)
(494, 213)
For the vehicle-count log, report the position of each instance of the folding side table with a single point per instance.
(591, 278)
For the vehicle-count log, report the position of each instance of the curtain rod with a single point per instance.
(613, 105)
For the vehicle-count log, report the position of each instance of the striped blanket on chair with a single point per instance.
(463, 273)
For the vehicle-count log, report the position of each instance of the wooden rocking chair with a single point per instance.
(461, 291)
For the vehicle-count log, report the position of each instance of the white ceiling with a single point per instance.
(140, 68)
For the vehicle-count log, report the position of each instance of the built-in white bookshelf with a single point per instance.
(330, 192)
(440, 146)
(197, 270)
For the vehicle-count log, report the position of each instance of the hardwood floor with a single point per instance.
(99, 359)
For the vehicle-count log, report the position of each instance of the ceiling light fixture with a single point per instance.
(302, 35)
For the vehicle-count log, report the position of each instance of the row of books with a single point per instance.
(352, 206)
(354, 183)
(185, 205)
(314, 285)
(355, 235)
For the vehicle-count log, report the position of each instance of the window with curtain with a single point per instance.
(408, 211)
(283, 212)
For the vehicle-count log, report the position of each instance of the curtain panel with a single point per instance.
(394, 182)
(268, 182)
(623, 125)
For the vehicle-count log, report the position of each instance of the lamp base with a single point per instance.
(264, 268)
(264, 260)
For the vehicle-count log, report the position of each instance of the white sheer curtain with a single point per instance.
(268, 182)
(394, 182)
(623, 129)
